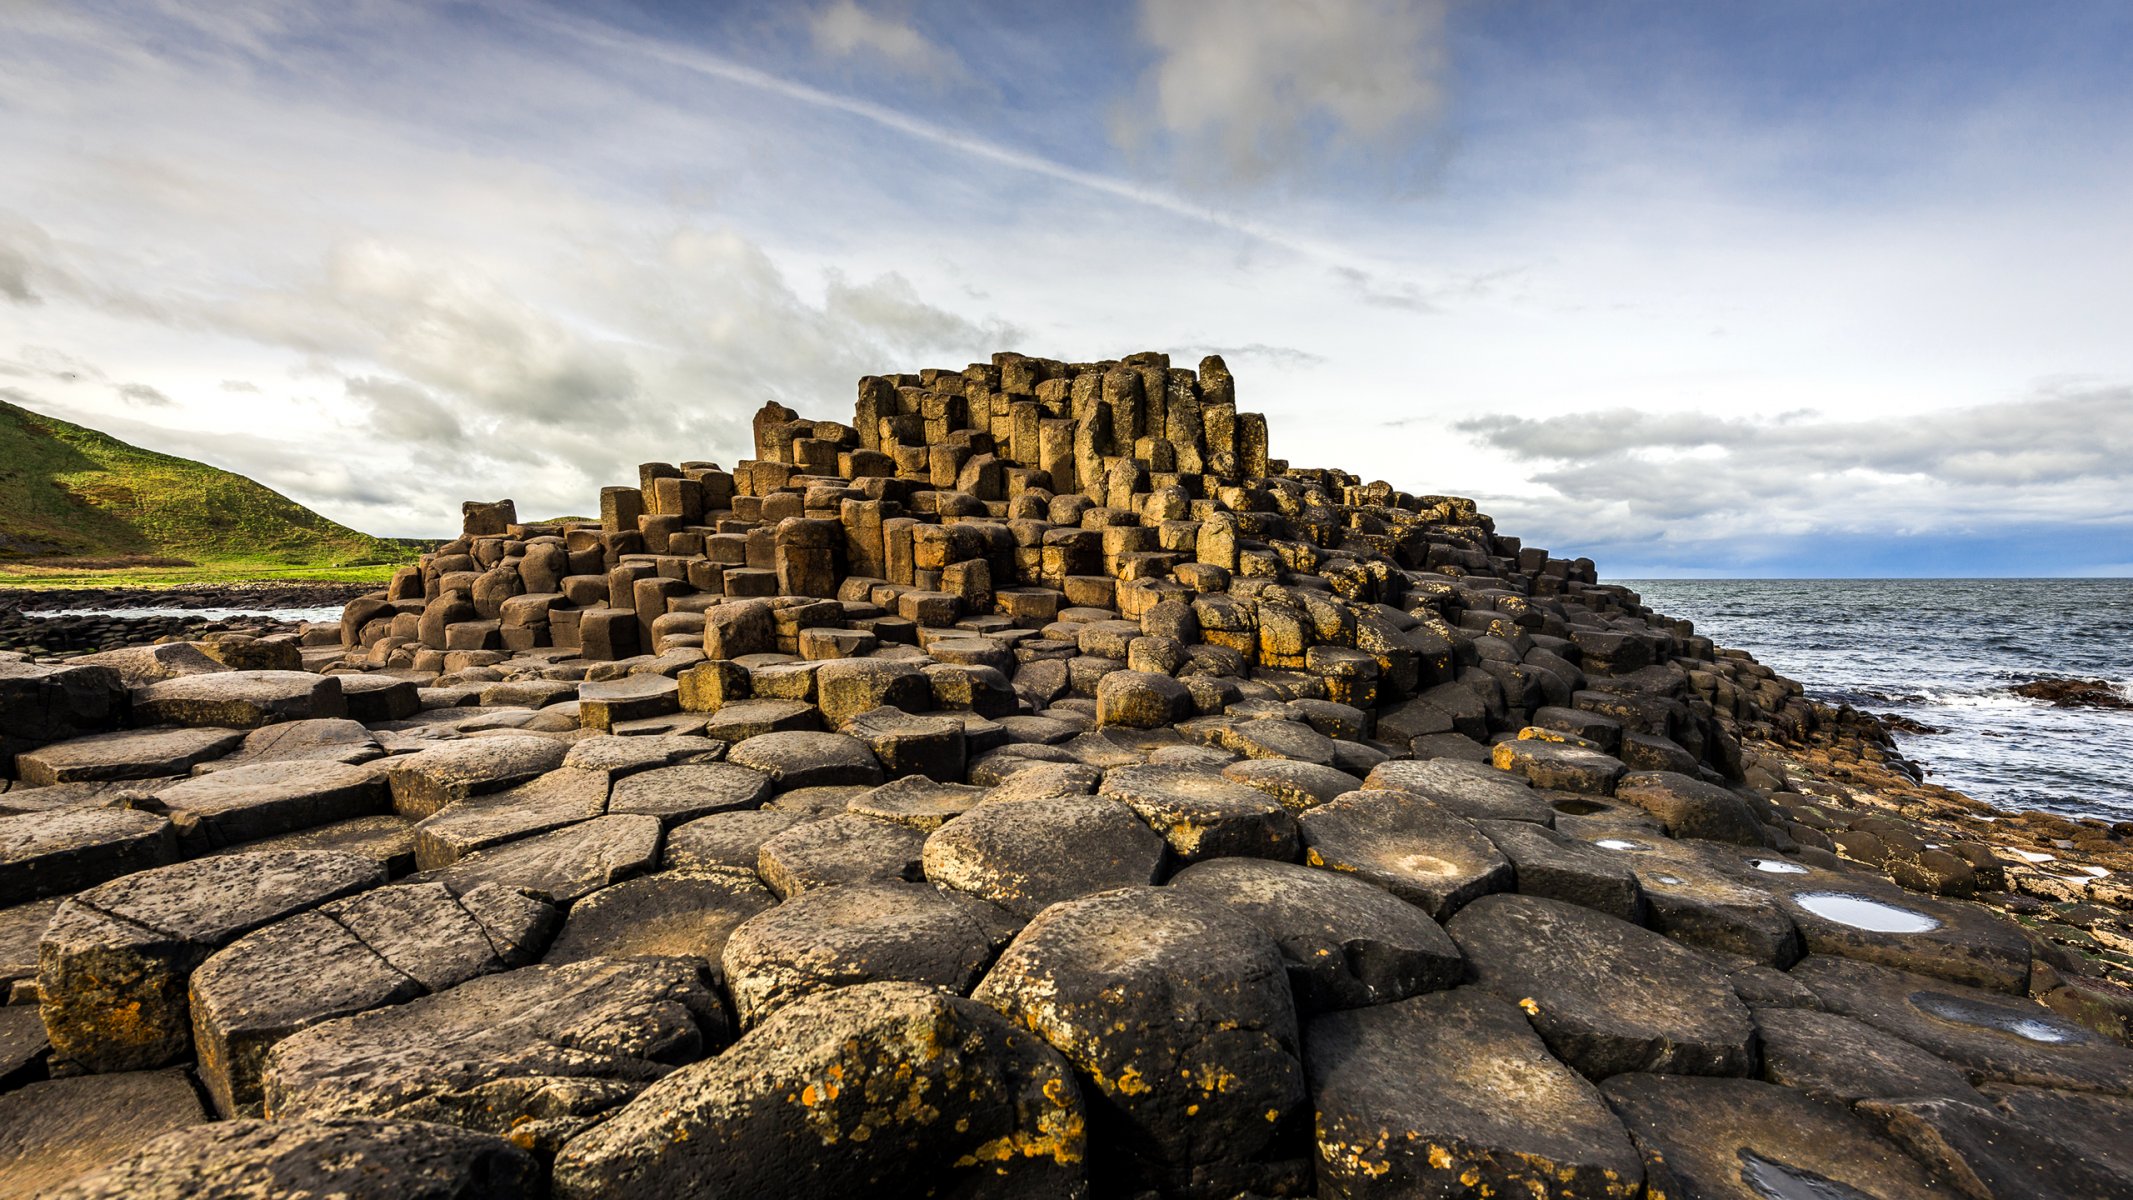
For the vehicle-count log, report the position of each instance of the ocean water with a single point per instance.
(325, 615)
(1944, 652)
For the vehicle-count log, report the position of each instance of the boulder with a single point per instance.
(536, 1054)
(1604, 994)
(846, 687)
(379, 947)
(65, 850)
(126, 754)
(346, 1159)
(239, 699)
(1176, 1015)
(798, 760)
(842, 849)
(906, 744)
(1203, 815)
(882, 1089)
(863, 932)
(139, 666)
(1736, 1139)
(113, 966)
(1347, 944)
(1141, 700)
(1027, 854)
(54, 1130)
(1406, 844)
(1451, 1094)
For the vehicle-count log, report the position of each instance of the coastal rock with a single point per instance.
(535, 1054)
(425, 782)
(1028, 854)
(1204, 815)
(54, 853)
(837, 850)
(239, 699)
(878, 1089)
(674, 913)
(1452, 1094)
(54, 1130)
(1605, 995)
(1845, 1061)
(1554, 867)
(246, 803)
(351, 1159)
(1406, 844)
(565, 865)
(798, 760)
(1691, 808)
(128, 754)
(834, 937)
(114, 963)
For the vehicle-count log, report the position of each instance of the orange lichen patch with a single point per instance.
(1532, 1009)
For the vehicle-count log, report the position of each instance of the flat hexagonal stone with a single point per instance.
(847, 687)
(535, 1054)
(425, 782)
(835, 937)
(53, 1131)
(239, 699)
(1478, 793)
(2077, 1152)
(380, 697)
(1693, 896)
(731, 842)
(1204, 815)
(1277, 739)
(68, 849)
(1852, 916)
(1561, 767)
(604, 703)
(1298, 785)
(1842, 1060)
(841, 849)
(127, 754)
(113, 965)
(564, 796)
(1736, 1139)
(244, 804)
(1690, 808)
(387, 839)
(379, 947)
(917, 801)
(797, 760)
(753, 718)
(691, 790)
(349, 1159)
(566, 864)
(322, 739)
(620, 756)
(880, 1089)
(928, 744)
(1406, 844)
(1990, 1036)
(1141, 700)
(1550, 865)
(676, 912)
(1177, 1017)
(1347, 943)
(1604, 994)
(1451, 1094)
(1028, 854)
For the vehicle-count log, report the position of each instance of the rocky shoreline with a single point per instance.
(1030, 788)
(28, 628)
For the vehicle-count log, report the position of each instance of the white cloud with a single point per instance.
(843, 29)
(1250, 90)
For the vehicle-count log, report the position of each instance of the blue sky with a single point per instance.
(1733, 289)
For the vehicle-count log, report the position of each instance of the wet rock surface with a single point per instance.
(1058, 796)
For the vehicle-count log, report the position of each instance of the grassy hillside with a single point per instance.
(74, 501)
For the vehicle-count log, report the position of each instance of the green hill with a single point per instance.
(74, 499)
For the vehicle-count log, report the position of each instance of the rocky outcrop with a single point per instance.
(1030, 788)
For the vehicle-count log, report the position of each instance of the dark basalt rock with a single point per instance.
(53, 853)
(1204, 815)
(1176, 1015)
(1406, 844)
(1476, 792)
(536, 1054)
(860, 933)
(880, 1089)
(425, 782)
(1549, 865)
(2073, 693)
(1842, 1060)
(845, 848)
(262, 799)
(798, 760)
(1452, 1094)
(129, 754)
(1606, 996)
(239, 699)
(676, 912)
(1347, 944)
(565, 865)
(1027, 854)
(52, 1131)
(349, 1159)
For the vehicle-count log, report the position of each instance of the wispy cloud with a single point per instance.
(844, 29)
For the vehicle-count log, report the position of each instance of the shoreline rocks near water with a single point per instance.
(1030, 788)
(2075, 693)
(28, 626)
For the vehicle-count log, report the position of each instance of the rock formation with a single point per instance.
(1029, 788)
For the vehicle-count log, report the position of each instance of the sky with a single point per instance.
(1703, 288)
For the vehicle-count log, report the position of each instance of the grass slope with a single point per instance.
(76, 502)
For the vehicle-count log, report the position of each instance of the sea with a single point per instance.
(1944, 653)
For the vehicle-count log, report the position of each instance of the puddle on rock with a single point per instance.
(1580, 808)
(1777, 866)
(2042, 1029)
(1859, 912)
(1774, 1180)
(1620, 844)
